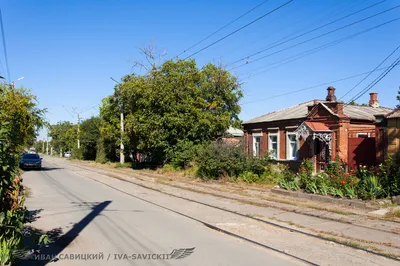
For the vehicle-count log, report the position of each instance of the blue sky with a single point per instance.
(68, 50)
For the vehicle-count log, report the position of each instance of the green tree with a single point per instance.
(62, 136)
(174, 102)
(89, 137)
(398, 98)
(109, 130)
(19, 110)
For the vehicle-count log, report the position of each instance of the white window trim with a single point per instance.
(363, 134)
(287, 146)
(277, 143)
(256, 135)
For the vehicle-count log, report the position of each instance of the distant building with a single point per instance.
(233, 136)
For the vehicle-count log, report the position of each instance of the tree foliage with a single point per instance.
(63, 136)
(20, 121)
(20, 113)
(172, 103)
(89, 137)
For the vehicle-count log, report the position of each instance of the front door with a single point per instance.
(321, 153)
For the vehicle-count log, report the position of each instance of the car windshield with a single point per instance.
(30, 156)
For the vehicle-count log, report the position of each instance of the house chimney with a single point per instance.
(373, 100)
(331, 94)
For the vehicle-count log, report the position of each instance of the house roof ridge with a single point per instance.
(367, 106)
(392, 112)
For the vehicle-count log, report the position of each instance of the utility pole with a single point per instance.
(121, 110)
(47, 148)
(78, 114)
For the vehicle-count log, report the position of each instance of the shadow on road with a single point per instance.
(59, 241)
(33, 215)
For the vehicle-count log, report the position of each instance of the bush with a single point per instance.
(289, 180)
(370, 188)
(249, 177)
(218, 159)
(305, 173)
(77, 153)
(100, 153)
(182, 154)
(389, 176)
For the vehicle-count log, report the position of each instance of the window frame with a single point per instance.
(367, 134)
(270, 134)
(288, 146)
(256, 135)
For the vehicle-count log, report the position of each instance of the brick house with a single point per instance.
(320, 130)
(393, 133)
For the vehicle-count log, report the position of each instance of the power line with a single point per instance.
(300, 35)
(377, 80)
(312, 87)
(297, 11)
(68, 111)
(235, 31)
(215, 32)
(319, 36)
(4, 46)
(316, 49)
(381, 63)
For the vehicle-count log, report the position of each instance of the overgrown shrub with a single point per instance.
(182, 154)
(305, 173)
(12, 211)
(219, 159)
(249, 177)
(370, 187)
(289, 180)
(77, 153)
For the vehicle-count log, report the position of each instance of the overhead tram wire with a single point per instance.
(278, 30)
(283, 41)
(312, 87)
(237, 30)
(376, 80)
(319, 36)
(215, 32)
(4, 46)
(378, 66)
(314, 50)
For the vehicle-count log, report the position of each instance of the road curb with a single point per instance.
(321, 198)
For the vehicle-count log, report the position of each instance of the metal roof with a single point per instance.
(235, 132)
(294, 112)
(300, 111)
(364, 112)
(317, 126)
(394, 114)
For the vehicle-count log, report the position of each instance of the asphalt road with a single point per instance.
(92, 218)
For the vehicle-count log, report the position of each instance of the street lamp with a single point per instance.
(12, 83)
(121, 110)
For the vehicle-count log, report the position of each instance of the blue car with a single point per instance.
(30, 160)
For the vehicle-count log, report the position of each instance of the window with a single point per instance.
(292, 147)
(273, 145)
(257, 144)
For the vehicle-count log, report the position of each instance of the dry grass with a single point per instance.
(393, 213)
